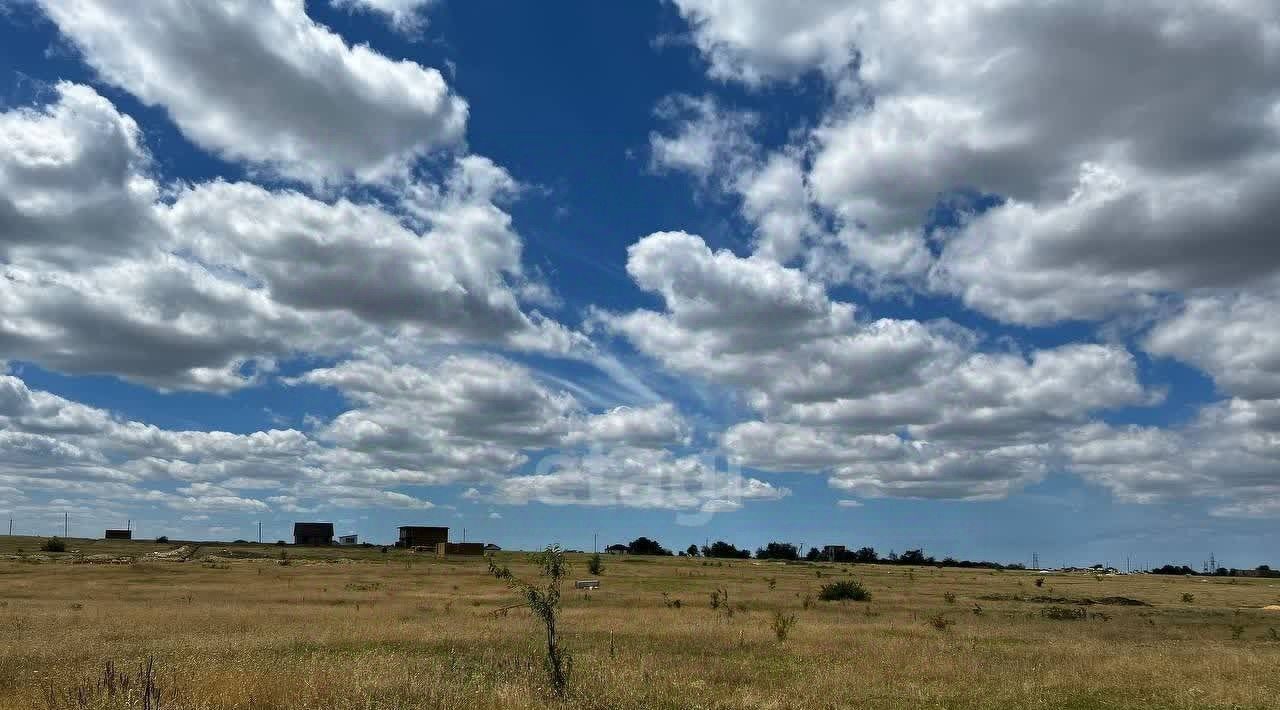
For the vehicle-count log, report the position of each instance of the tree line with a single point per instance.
(791, 553)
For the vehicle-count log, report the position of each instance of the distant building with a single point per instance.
(349, 540)
(119, 535)
(444, 549)
(832, 552)
(316, 534)
(422, 536)
(492, 548)
(616, 549)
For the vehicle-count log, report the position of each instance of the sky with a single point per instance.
(993, 279)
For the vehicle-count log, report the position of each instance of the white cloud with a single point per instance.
(635, 478)
(229, 277)
(756, 41)
(1230, 452)
(260, 82)
(405, 15)
(887, 407)
(1232, 336)
(651, 427)
(1116, 187)
(72, 181)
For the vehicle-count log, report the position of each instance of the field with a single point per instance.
(232, 627)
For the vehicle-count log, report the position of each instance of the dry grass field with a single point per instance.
(360, 629)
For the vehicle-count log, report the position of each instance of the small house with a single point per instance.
(348, 539)
(119, 535)
(422, 536)
(444, 549)
(314, 534)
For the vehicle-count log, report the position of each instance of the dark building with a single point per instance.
(833, 552)
(313, 533)
(422, 536)
(459, 548)
(119, 535)
(616, 549)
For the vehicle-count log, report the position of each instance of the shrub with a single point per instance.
(54, 544)
(545, 603)
(807, 602)
(847, 589)
(595, 564)
(949, 597)
(163, 539)
(1188, 598)
(1039, 581)
(1063, 613)
(1236, 632)
(940, 621)
(113, 688)
(670, 603)
(782, 624)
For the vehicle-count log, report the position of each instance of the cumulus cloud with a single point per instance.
(405, 15)
(73, 180)
(636, 478)
(1229, 452)
(648, 427)
(260, 82)
(1109, 188)
(227, 278)
(1233, 336)
(755, 42)
(884, 407)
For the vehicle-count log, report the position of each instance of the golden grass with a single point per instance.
(401, 631)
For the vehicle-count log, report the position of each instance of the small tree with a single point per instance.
(54, 544)
(692, 551)
(545, 603)
(595, 564)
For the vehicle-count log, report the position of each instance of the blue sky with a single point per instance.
(817, 272)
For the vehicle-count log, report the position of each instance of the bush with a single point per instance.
(1063, 613)
(949, 597)
(849, 589)
(782, 624)
(545, 604)
(54, 544)
(113, 688)
(1039, 581)
(1188, 598)
(595, 564)
(940, 622)
(163, 539)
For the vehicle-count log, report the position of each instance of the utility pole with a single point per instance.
(10, 527)
(464, 534)
(259, 532)
(1035, 560)
(66, 524)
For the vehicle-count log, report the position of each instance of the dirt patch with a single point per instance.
(1122, 601)
(1272, 607)
(1106, 601)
